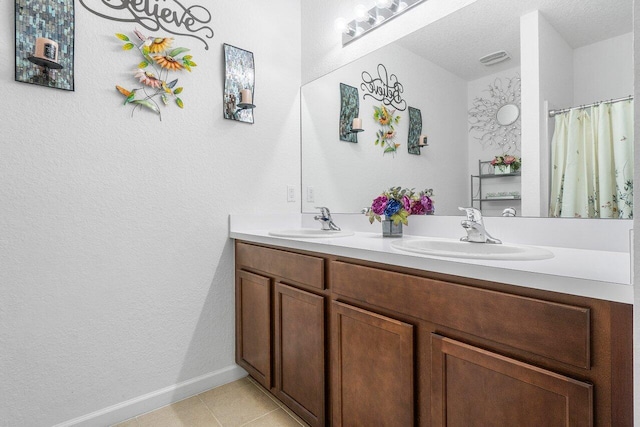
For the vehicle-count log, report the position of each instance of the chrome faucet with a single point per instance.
(510, 211)
(474, 226)
(326, 220)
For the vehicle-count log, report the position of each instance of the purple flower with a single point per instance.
(406, 203)
(379, 205)
(417, 208)
(427, 203)
(393, 206)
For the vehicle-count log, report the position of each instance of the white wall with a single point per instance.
(547, 63)
(556, 76)
(360, 170)
(603, 70)
(116, 272)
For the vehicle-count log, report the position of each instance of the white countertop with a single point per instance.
(584, 272)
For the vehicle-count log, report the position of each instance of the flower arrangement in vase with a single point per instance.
(506, 164)
(397, 204)
(387, 132)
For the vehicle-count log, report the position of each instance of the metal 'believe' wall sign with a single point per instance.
(385, 88)
(170, 16)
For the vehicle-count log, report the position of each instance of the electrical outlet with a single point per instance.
(310, 195)
(291, 193)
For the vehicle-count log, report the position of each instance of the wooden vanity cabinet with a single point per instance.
(280, 326)
(415, 348)
(500, 355)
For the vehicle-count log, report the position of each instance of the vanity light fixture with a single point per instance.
(384, 4)
(369, 19)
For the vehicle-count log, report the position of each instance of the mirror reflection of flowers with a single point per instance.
(387, 132)
(398, 203)
(153, 71)
(507, 160)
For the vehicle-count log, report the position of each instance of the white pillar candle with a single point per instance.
(423, 141)
(357, 123)
(245, 96)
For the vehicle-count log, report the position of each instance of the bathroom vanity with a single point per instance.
(344, 341)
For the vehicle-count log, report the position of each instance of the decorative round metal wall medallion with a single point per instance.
(495, 120)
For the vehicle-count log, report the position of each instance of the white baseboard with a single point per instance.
(156, 399)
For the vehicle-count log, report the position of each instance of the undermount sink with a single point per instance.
(458, 249)
(310, 233)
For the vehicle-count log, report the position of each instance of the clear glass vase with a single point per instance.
(389, 229)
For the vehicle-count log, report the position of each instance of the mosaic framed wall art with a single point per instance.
(44, 33)
(415, 129)
(349, 110)
(239, 84)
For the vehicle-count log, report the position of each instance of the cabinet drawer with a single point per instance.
(303, 269)
(559, 332)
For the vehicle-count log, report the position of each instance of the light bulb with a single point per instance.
(340, 25)
(361, 13)
(384, 4)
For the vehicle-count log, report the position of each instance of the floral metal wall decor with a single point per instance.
(496, 120)
(44, 31)
(159, 60)
(239, 76)
(349, 110)
(387, 132)
(168, 16)
(385, 87)
(415, 129)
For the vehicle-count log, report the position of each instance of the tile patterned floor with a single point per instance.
(240, 403)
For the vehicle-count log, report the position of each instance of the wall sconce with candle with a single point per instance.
(44, 33)
(416, 139)
(369, 19)
(46, 56)
(239, 84)
(350, 123)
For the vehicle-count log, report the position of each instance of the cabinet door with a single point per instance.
(474, 387)
(253, 325)
(372, 369)
(299, 352)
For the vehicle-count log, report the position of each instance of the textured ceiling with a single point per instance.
(457, 41)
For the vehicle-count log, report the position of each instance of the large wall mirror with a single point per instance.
(584, 56)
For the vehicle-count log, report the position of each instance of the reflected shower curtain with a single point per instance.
(592, 162)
